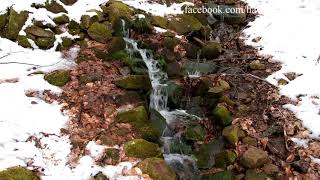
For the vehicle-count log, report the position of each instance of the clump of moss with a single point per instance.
(112, 156)
(18, 173)
(58, 77)
(157, 169)
(23, 41)
(140, 148)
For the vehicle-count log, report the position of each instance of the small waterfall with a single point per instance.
(125, 31)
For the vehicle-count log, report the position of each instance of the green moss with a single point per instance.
(58, 77)
(134, 82)
(117, 44)
(18, 173)
(142, 25)
(45, 42)
(63, 19)
(74, 27)
(223, 115)
(138, 115)
(116, 9)
(15, 23)
(211, 50)
(170, 43)
(85, 21)
(23, 41)
(66, 42)
(157, 169)
(3, 20)
(54, 7)
(184, 23)
(149, 133)
(231, 133)
(159, 21)
(195, 133)
(112, 155)
(140, 148)
(225, 158)
(100, 32)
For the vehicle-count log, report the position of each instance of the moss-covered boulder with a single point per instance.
(222, 114)
(3, 20)
(23, 41)
(85, 21)
(54, 7)
(228, 14)
(66, 42)
(225, 158)
(45, 42)
(58, 77)
(68, 2)
(211, 50)
(254, 158)
(170, 43)
(232, 134)
(206, 153)
(140, 148)
(74, 27)
(195, 133)
(134, 82)
(184, 23)
(117, 44)
(100, 32)
(159, 21)
(157, 169)
(249, 140)
(63, 19)
(112, 156)
(39, 32)
(173, 69)
(257, 65)
(18, 173)
(142, 25)
(117, 9)
(222, 175)
(15, 22)
(192, 50)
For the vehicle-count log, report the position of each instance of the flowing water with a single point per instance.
(183, 165)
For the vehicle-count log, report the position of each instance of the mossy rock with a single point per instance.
(117, 9)
(68, 2)
(257, 65)
(63, 19)
(149, 133)
(223, 115)
(220, 87)
(18, 173)
(159, 21)
(39, 32)
(251, 174)
(254, 158)
(100, 32)
(232, 134)
(184, 24)
(206, 153)
(112, 156)
(86, 78)
(85, 21)
(250, 141)
(211, 50)
(45, 42)
(170, 43)
(225, 158)
(138, 115)
(142, 25)
(15, 23)
(66, 42)
(157, 169)
(74, 27)
(195, 133)
(23, 41)
(58, 77)
(117, 44)
(121, 26)
(3, 20)
(222, 175)
(140, 148)
(175, 94)
(100, 176)
(192, 50)
(134, 82)
(54, 7)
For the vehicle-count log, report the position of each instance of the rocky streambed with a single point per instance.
(181, 96)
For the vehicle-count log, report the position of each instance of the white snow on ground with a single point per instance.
(155, 8)
(290, 33)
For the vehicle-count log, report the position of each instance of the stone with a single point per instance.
(15, 23)
(184, 24)
(179, 146)
(222, 175)
(100, 176)
(173, 69)
(99, 32)
(117, 44)
(211, 50)
(199, 68)
(66, 42)
(136, 115)
(54, 7)
(249, 140)
(195, 133)
(170, 43)
(225, 158)
(68, 2)
(277, 146)
(142, 25)
(257, 65)
(58, 77)
(231, 134)
(63, 19)
(206, 153)
(23, 41)
(192, 50)
(254, 158)
(87, 78)
(85, 21)
(39, 32)
(112, 156)
(157, 120)
(159, 21)
(134, 82)
(175, 94)
(74, 27)
(117, 9)
(301, 166)
(3, 20)
(270, 169)
(45, 42)
(18, 173)
(140, 148)
(253, 175)
(170, 56)
(157, 169)
(282, 82)
(222, 114)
